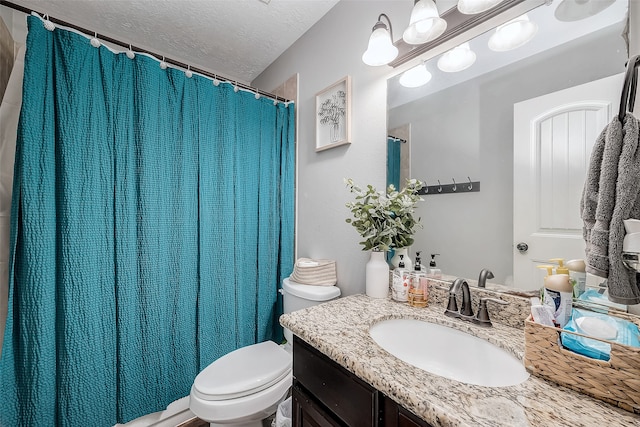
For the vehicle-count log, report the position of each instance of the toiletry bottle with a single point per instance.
(578, 276)
(434, 272)
(400, 286)
(560, 269)
(416, 296)
(557, 293)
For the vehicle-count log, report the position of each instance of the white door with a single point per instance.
(553, 137)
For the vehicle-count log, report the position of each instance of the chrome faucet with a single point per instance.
(465, 312)
(484, 275)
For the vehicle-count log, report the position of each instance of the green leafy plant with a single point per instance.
(385, 220)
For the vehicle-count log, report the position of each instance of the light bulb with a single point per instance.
(415, 77)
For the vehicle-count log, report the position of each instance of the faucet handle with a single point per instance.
(482, 318)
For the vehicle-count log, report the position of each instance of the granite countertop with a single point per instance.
(340, 330)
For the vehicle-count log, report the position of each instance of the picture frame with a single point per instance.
(333, 115)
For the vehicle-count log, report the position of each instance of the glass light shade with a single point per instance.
(381, 50)
(513, 34)
(415, 77)
(575, 10)
(425, 23)
(457, 59)
(471, 7)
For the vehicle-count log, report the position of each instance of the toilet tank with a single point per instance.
(296, 296)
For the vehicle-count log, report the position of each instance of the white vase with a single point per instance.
(395, 261)
(377, 276)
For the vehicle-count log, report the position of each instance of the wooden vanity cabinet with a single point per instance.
(325, 394)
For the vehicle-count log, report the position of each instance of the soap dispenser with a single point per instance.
(434, 272)
(400, 285)
(557, 293)
(418, 288)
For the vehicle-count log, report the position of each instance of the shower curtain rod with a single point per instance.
(136, 49)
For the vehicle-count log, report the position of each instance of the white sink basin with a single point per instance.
(448, 352)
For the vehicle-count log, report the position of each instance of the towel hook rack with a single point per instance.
(628, 98)
(454, 188)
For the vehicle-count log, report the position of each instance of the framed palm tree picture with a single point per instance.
(333, 115)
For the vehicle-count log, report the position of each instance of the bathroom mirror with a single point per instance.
(460, 127)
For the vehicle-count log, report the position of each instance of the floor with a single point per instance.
(196, 422)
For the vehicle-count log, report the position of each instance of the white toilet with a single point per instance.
(247, 385)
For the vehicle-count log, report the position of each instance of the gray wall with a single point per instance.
(329, 51)
(467, 130)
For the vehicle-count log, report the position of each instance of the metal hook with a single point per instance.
(470, 186)
(235, 87)
(455, 187)
(439, 187)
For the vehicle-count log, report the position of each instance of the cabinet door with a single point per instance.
(351, 400)
(396, 415)
(307, 413)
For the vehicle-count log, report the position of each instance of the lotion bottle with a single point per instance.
(578, 276)
(434, 272)
(400, 287)
(557, 293)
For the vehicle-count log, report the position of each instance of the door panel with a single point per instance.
(553, 138)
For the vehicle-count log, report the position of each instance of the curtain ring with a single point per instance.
(48, 24)
(130, 53)
(470, 186)
(439, 187)
(257, 94)
(188, 73)
(455, 187)
(163, 64)
(235, 86)
(94, 41)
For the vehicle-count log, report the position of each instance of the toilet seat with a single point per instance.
(243, 372)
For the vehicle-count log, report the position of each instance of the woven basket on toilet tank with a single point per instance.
(616, 381)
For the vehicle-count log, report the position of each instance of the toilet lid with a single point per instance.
(244, 371)
(310, 292)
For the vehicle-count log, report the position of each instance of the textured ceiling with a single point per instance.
(233, 38)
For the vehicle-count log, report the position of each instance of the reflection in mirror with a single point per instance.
(398, 156)
(462, 125)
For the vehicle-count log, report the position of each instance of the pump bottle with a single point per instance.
(434, 272)
(557, 293)
(400, 285)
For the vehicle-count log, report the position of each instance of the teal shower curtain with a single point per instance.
(152, 222)
(393, 161)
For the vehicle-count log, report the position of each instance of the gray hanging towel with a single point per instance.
(612, 194)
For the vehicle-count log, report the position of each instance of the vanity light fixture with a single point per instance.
(416, 76)
(457, 59)
(471, 7)
(513, 34)
(425, 23)
(380, 50)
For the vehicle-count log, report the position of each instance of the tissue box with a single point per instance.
(616, 381)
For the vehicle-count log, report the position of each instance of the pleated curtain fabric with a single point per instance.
(152, 222)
